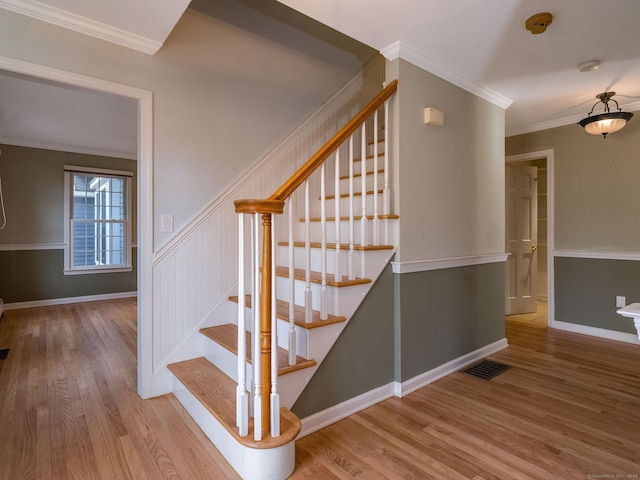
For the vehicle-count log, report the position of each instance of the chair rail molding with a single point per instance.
(414, 266)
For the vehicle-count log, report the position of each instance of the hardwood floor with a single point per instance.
(568, 408)
(69, 408)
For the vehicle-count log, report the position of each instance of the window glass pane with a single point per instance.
(98, 210)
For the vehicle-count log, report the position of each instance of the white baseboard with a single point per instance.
(333, 414)
(597, 332)
(63, 301)
(342, 410)
(424, 379)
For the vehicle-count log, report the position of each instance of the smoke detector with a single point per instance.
(539, 22)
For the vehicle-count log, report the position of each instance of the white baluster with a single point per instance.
(338, 274)
(242, 396)
(323, 246)
(274, 400)
(386, 193)
(350, 274)
(363, 185)
(308, 304)
(255, 302)
(292, 287)
(376, 221)
(386, 198)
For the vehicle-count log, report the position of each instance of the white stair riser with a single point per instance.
(282, 293)
(226, 361)
(370, 259)
(371, 146)
(357, 164)
(357, 181)
(302, 340)
(344, 206)
(315, 231)
(339, 300)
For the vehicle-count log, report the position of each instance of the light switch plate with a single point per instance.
(166, 223)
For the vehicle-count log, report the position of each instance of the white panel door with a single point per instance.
(521, 239)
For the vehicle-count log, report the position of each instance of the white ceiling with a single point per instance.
(41, 114)
(480, 46)
(484, 47)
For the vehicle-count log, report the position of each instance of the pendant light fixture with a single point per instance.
(607, 122)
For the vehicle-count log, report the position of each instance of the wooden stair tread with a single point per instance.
(282, 311)
(217, 393)
(355, 194)
(343, 246)
(316, 277)
(356, 217)
(369, 157)
(227, 336)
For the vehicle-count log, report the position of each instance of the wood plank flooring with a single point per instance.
(569, 408)
(69, 408)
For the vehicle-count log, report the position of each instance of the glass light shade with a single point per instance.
(605, 123)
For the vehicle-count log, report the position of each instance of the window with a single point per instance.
(97, 216)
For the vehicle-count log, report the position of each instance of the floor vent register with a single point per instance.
(486, 369)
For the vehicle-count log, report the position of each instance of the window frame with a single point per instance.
(69, 268)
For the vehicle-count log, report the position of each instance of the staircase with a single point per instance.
(299, 282)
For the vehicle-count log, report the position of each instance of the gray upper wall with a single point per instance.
(449, 180)
(596, 181)
(224, 94)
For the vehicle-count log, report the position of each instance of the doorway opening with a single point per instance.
(144, 100)
(540, 311)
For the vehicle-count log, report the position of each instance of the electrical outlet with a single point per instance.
(621, 301)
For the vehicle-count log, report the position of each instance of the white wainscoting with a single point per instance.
(197, 269)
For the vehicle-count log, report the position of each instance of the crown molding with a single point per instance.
(416, 57)
(77, 23)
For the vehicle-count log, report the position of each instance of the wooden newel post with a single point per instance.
(266, 207)
(265, 322)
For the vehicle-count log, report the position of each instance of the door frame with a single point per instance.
(145, 195)
(549, 156)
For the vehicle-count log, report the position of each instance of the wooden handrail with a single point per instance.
(304, 172)
(332, 145)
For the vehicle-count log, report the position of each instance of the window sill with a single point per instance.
(91, 271)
